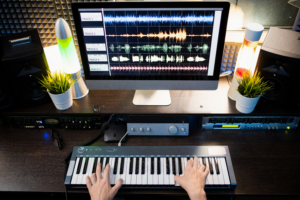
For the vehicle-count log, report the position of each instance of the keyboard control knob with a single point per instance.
(148, 129)
(173, 130)
(80, 149)
(141, 129)
(182, 129)
(132, 129)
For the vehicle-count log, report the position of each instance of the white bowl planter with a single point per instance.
(245, 104)
(62, 101)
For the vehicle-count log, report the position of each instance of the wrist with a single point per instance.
(199, 195)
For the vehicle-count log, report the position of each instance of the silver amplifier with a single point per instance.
(157, 125)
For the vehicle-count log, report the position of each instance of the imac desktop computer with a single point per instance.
(151, 47)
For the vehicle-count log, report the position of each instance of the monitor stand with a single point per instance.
(152, 98)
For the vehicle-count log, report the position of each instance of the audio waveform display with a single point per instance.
(156, 58)
(204, 48)
(132, 19)
(179, 35)
(120, 58)
(147, 47)
(158, 68)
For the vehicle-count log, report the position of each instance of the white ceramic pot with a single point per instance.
(245, 104)
(62, 101)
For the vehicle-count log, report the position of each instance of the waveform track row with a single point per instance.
(179, 35)
(132, 19)
(147, 47)
(158, 68)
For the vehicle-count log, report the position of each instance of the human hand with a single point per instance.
(99, 187)
(193, 180)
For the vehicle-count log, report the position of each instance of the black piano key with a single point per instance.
(180, 166)
(158, 165)
(85, 165)
(79, 165)
(137, 163)
(116, 166)
(106, 162)
(143, 165)
(152, 165)
(122, 165)
(204, 161)
(101, 162)
(217, 166)
(95, 165)
(210, 166)
(168, 165)
(173, 166)
(130, 165)
(188, 158)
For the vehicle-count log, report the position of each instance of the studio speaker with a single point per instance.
(279, 63)
(22, 62)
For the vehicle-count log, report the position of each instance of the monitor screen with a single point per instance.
(159, 41)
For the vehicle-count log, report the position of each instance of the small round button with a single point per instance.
(132, 129)
(141, 129)
(80, 149)
(148, 129)
(173, 129)
(182, 129)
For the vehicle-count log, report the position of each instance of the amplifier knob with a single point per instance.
(173, 129)
(182, 129)
(141, 129)
(132, 129)
(148, 129)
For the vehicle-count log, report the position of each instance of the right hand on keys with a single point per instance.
(99, 187)
(193, 180)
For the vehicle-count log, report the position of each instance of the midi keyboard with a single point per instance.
(150, 166)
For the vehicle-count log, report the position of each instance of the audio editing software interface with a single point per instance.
(150, 41)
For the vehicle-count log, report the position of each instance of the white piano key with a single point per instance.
(201, 163)
(209, 176)
(139, 175)
(215, 177)
(79, 178)
(87, 171)
(74, 177)
(145, 175)
(184, 164)
(220, 176)
(127, 180)
(177, 169)
(225, 171)
(166, 176)
(92, 165)
(172, 181)
(123, 176)
(155, 175)
(103, 166)
(117, 175)
(161, 175)
(150, 176)
(111, 174)
(133, 177)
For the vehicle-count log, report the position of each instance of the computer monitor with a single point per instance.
(151, 47)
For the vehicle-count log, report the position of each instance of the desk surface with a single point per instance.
(264, 162)
(183, 102)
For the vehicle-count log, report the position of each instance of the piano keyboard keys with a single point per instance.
(148, 170)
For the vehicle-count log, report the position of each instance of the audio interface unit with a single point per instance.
(250, 122)
(157, 125)
(67, 122)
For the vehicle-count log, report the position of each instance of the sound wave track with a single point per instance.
(179, 35)
(132, 19)
(147, 47)
(158, 68)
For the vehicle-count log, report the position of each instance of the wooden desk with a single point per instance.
(264, 162)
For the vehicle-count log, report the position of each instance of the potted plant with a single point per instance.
(58, 85)
(250, 89)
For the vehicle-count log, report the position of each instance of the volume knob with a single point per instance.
(173, 129)
(80, 149)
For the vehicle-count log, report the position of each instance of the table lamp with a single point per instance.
(69, 57)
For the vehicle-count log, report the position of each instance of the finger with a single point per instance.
(189, 163)
(106, 172)
(93, 178)
(206, 171)
(88, 182)
(195, 165)
(177, 179)
(202, 168)
(116, 188)
(98, 172)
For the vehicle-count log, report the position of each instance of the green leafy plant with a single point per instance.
(57, 82)
(252, 86)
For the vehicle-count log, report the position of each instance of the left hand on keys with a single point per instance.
(99, 187)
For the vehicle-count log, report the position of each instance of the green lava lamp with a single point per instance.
(69, 57)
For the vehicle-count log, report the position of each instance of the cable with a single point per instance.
(119, 144)
(66, 193)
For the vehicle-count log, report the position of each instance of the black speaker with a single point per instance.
(279, 63)
(22, 62)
